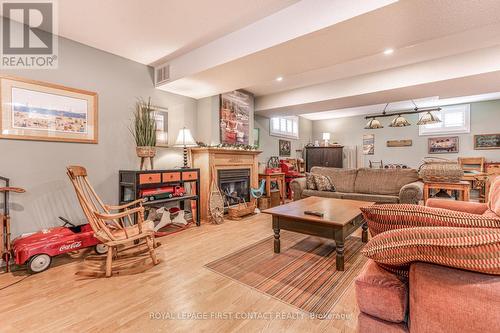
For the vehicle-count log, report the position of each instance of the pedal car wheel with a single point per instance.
(101, 249)
(38, 263)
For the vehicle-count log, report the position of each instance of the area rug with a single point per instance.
(302, 275)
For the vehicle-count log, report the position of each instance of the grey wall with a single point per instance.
(40, 166)
(485, 118)
(269, 144)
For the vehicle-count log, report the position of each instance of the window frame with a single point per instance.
(285, 134)
(465, 108)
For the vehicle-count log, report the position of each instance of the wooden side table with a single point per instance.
(279, 178)
(463, 188)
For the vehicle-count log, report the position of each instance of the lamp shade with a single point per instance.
(326, 136)
(374, 124)
(428, 118)
(185, 139)
(399, 121)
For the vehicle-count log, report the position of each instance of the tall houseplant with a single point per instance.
(144, 131)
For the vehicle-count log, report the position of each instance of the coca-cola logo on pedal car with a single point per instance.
(71, 246)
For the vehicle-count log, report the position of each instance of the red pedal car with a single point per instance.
(36, 250)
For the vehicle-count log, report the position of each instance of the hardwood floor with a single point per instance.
(57, 300)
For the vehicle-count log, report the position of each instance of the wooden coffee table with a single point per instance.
(341, 218)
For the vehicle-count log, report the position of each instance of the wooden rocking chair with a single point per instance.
(110, 228)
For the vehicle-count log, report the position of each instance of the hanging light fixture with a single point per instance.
(374, 124)
(428, 118)
(399, 121)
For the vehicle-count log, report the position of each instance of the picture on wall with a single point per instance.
(443, 145)
(285, 148)
(369, 144)
(256, 137)
(235, 110)
(33, 110)
(161, 118)
(487, 141)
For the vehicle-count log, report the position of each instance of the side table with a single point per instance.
(463, 188)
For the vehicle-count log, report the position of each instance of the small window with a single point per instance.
(454, 119)
(285, 127)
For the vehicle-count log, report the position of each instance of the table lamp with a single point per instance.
(184, 140)
(326, 138)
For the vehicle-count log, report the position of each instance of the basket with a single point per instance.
(440, 170)
(145, 151)
(237, 211)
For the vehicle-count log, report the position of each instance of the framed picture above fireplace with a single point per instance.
(235, 111)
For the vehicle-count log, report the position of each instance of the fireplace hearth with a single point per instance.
(234, 185)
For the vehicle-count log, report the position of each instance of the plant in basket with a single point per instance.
(144, 131)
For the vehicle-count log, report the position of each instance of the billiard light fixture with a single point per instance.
(400, 121)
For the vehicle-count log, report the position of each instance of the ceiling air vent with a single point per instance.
(162, 74)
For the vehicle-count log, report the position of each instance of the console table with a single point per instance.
(462, 187)
(133, 184)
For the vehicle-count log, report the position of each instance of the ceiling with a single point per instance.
(148, 31)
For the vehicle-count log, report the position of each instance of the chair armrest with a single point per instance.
(121, 214)
(298, 185)
(411, 193)
(133, 203)
(458, 206)
(12, 189)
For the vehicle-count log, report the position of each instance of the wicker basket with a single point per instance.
(237, 211)
(440, 170)
(145, 151)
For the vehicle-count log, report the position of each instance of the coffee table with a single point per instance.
(341, 218)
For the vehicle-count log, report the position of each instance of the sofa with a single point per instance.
(365, 184)
(434, 298)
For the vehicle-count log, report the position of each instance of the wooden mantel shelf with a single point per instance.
(209, 160)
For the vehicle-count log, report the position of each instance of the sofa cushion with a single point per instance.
(451, 300)
(381, 294)
(386, 217)
(371, 197)
(310, 183)
(369, 324)
(323, 183)
(383, 181)
(343, 179)
(324, 194)
(474, 249)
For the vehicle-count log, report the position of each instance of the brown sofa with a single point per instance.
(435, 299)
(378, 185)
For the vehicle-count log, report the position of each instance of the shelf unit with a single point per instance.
(131, 182)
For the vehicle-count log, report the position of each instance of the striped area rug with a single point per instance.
(302, 275)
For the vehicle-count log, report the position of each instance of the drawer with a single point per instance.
(171, 176)
(189, 175)
(149, 178)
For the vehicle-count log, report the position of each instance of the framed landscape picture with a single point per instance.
(369, 144)
(34, 110)
(285, 148)
(235, 110)
(487, 141)
(443, 145)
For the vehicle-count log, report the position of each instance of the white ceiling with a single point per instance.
(147, 31)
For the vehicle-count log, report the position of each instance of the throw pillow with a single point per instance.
(310, 184)
(323, 183)
(473, 249)
(386, 217)
(494, 197)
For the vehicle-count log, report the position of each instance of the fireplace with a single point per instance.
(234, 185)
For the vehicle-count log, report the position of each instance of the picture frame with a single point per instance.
(486, 141)
(443, 145)
(161, 118)
(368, 144)
(42, 111)
(235, 108)
(285, 148)
(256, 137)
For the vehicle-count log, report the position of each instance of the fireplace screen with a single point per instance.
(234, 185)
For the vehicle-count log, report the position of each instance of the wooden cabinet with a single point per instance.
(324, 156)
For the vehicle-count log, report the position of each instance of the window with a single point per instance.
(285, 126)
(454, 119)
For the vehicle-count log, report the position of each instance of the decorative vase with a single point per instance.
(146, 152)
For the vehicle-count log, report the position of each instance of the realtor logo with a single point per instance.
(29, 36)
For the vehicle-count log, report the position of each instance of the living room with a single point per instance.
(256, 166)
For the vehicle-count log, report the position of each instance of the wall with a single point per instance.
(269, 144)
(39, 167)
(349, 132)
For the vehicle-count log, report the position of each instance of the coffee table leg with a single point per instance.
(276, 240)
(340, 255)
(364, 233)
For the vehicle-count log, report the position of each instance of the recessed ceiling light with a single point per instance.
(388, 51)
(279, 78)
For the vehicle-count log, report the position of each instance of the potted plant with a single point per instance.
(144, 131)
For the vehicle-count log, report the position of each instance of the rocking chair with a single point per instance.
(110, 228)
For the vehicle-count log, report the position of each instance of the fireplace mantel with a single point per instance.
(209, 160)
